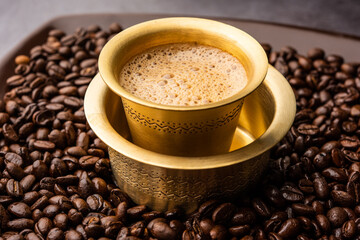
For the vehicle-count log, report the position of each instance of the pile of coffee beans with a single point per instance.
(56, 179)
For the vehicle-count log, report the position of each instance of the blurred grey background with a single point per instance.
(18, 18)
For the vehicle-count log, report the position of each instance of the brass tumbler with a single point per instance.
(182, 130)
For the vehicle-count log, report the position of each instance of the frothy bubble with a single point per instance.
(183, 74)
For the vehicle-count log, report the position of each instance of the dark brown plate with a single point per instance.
(276, 35)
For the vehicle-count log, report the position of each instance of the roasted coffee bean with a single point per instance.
(94, 230)
(32, 235)
(39, 169)
(206, 225)
(274, 195)
(46, 193)
(337, 216)
(83, 140)
(20, 210)
(178, 226)
(87, 162)
(44, 118)
(44, 145)
(51, 210)
(74, 216)
(318, 207)
(14, 158)
(305, 223)
(160, 229)
(323, 223)
(121, 211)
(55, 234)
(337, 157)
(58, 168)
(272, 225)
(20, 224)
(95, 202)
(260, 207)
(136, 212)
(73, 235)
(351, 156)
(112, 229)
(349, 229)
(100, 144)
(188, 235)
(336, 174)
(282, 216)
(15, 171)
(27, 182)
(308, 129)
(322, 160)
(30, 197)
(61, 221)
(4, 117)
(70, 134)
(316, 53)
(342, 198)
(40, 203)
(350, 212)
(43, 226)
(239, 231)
(148, 216)
(68, 90)
(77, 152)
(56, 72)
(243, 216)
(349, 142)
(316, 229)
(306, 186)
(289, 228)
(100, 186)
(62, 201)
(15, 80)
(219, 232)
(80, 205)
(67, 180)
(291, 193)
(85, 186)
(50, 91)
(42, 134)
(302, 209)
(115, 27)
(73, 102)
(223, 213)
(11, 107)
(47, 183)
(81, 229)
(9, 133)
(321, 188)
(14, 189)
(137, 229)
(65, 116)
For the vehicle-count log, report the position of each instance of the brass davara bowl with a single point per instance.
(163, 181)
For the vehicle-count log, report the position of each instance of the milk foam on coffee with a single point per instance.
(183, 74)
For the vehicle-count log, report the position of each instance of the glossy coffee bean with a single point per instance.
(56, 175)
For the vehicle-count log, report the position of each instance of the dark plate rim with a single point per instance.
(49, 22)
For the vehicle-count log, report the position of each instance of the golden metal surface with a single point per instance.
(162, 181)
(182, 130)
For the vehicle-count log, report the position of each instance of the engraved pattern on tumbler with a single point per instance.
(183, 128)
